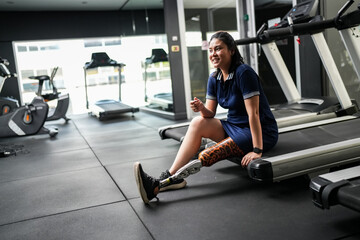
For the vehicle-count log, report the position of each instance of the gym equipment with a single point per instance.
(62, 99)
(334, 144)
(24, 120)
(339, 187)
(350, 36)
(7, 104)
(7, 150)
(309, 150)
(315, 146)
(297, 110)
(162, 100)
(6, 153)
(191, 167)
(106, 108)
(317, 106)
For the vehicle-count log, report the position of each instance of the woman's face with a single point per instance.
(220, 54)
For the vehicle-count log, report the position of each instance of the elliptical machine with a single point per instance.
(62, 99)
(7, 104)
(24, 120)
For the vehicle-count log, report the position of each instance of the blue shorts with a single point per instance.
(241, 135)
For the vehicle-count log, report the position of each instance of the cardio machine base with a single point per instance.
(26, 120)
(105, 109)
(61, 108)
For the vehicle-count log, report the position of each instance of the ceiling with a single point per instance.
(114, 5)
(100, 5)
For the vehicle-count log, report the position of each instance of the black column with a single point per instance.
(172, 30)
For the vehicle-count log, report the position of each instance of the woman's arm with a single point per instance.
(207, 110)
(252, 108)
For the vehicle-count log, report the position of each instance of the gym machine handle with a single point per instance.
(343, 10)
(351, 19)
(256, 39)
(246, 41)
(276, 33)
(313, 27)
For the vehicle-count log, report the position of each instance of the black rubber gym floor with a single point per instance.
(80, 185)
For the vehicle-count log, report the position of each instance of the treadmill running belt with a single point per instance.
(114, 106)
(280, 113)
(349, 195)
(176, 133)
(315, 136)
(309, 150)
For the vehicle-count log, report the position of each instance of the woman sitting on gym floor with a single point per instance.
(249, 130)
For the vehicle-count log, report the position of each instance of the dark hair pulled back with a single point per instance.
(236, 59)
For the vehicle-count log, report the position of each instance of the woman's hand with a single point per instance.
(249, 157)
(197, 105)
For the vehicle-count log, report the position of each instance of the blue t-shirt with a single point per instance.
(241, 84)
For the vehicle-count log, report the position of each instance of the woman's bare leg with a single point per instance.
(199, 127)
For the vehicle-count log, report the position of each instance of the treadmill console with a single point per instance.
(157, 55)
(101, 59)
(301, 12)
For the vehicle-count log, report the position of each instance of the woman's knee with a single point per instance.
(207, 128)
(197, 122)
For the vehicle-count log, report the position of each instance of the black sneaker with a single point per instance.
(145, 183)
(172, 186)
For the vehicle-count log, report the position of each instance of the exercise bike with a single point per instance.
(62, 99)
(7, 104)
(24, 120)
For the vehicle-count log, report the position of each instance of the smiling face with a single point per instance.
(220, 55)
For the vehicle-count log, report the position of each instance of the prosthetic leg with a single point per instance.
(190, 168)
(220, 151)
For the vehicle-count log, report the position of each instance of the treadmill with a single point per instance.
(297, 110)
(312, 148)
(162, 100)
(106, 108)
(340, 187)
(343, 186)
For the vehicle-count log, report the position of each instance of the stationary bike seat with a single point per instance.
(50, 96)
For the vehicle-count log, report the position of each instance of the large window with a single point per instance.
(40, 57)
(201, 22)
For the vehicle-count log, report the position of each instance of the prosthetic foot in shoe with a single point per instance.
(176, 184)
(145, 183)
(190, 168)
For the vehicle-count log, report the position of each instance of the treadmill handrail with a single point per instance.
(309, 152)
(343, 10)
(315, 123)
(300, 29)
(246, 41)
(351, 19)
(292, 164)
